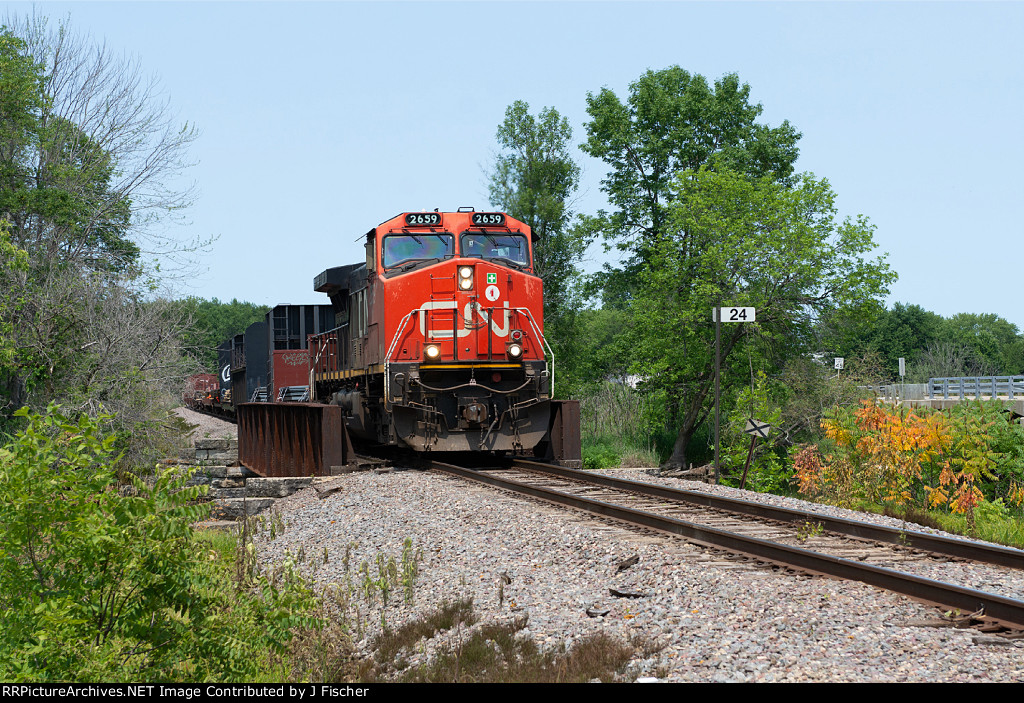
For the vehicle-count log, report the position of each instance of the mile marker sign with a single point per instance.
(733, 314)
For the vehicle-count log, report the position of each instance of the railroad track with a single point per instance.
(803, 541)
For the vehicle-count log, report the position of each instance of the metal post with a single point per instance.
(743, 481)
(718, 366)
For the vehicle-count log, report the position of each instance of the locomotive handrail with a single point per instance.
(387, 359)
(544, 341)
(330, 331)
(405, 320)
(316, 362)
(394, 340)
(323, 341)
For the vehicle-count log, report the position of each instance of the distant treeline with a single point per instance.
(213, 322)
(965, 344)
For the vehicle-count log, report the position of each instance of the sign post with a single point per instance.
(903, 373)
(731, 315)
(754, 428)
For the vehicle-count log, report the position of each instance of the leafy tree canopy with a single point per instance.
(992, 338)
(56, 187)
(21, 103)
(533, 179)
(213, 322)
(88, 158)
(674, 121)
(966, 344)
(737, 240)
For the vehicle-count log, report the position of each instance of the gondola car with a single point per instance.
(268, 362)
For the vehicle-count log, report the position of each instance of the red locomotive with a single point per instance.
(439, 344)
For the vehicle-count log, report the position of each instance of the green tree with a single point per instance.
(533, 180)
(965, 344)
(108, 159)
(606, 347)
(86, 152)
(62, 187)
(905, 331)
(995, 340)
(13, 265)
(212, 322)
(22, 101)
(738, 240)
(673, 121)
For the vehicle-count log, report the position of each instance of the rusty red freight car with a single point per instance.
(199, 390)
(439, 344)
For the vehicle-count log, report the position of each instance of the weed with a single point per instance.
(449, 615)
(367, 585)
(494, 653)
(809, 530)
(411, 559)
(277, 524)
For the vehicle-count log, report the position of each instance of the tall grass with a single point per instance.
(992, 522)
(494, 652)
(613, 409)
(615, 422)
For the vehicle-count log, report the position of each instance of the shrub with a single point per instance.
(100, 581)
(600, 457)
(895, 457)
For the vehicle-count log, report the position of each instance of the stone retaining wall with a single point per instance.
(234, 489)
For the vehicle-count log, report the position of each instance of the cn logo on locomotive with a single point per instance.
(466, 317)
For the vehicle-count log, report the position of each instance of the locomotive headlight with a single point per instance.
(515, 350)
(465, 277)
(432, 352)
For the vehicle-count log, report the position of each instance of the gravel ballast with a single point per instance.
(715, 619)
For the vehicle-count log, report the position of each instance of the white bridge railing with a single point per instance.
(976, 386)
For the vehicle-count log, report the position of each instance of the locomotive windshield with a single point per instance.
(504, 248)
(402, 249)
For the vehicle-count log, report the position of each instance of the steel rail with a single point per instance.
(958, 548)
(1006, 611)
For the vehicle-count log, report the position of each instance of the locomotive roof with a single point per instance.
(460, 220)
(339, 278)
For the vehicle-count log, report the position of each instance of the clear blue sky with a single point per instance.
(319, 120)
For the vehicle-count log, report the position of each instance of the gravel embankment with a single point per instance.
(716, 619)
(206, 426)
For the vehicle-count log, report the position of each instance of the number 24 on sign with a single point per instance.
(734, 314)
